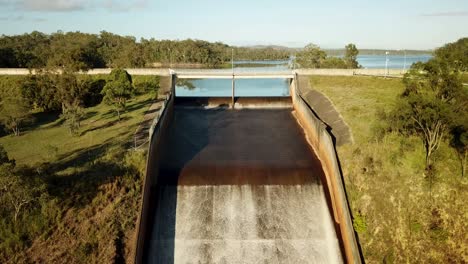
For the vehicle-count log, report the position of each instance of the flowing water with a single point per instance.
(247, 224)
(240, 186)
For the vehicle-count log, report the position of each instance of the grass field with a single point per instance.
(93, 186)
(399, 217)
(48, 140)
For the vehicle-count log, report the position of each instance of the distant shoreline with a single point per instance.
(337, 52)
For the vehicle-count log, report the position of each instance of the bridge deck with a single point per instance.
(240, 186)
(227, 74)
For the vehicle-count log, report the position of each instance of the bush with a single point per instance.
(144, 84)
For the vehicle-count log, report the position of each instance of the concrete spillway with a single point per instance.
(239, 186)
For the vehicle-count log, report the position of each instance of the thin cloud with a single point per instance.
(74, 5)
(52, 5)
(447, 14)
(121, 6)
(22, 18)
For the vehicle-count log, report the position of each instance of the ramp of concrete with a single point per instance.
(325, 111)
(240, 186)
(257, 183)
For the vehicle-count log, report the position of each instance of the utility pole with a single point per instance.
(386, 64)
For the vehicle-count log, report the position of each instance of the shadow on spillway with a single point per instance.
(239, 186)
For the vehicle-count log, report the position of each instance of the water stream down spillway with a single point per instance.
(240, 186)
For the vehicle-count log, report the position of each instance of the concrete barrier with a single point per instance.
(156, 135)
(167, 72)
(322, 143)
(131, 71)
(351, 72)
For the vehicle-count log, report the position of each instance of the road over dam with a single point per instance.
(243, 180)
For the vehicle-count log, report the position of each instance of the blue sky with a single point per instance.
(397, 24)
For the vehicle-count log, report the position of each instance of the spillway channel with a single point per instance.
(239, 186)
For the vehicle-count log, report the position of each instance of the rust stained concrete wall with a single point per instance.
(157, 134)
(322, 143)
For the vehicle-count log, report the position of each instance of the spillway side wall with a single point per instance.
(157, 133)
(323, 144)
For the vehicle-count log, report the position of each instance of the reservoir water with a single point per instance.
(243, 87)
(277, 87)
(394, 61)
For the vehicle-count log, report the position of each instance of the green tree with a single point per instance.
(459, 140)
(14, 112)
(73, 114)
(433, 97)
(456, 54)
(71, 92)
(351, 53)
(146, 84)
(40, 91)
(118, 90)
(4, 159)
(310, 57)
(334, 63)
(16, 192)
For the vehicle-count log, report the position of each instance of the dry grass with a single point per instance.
(398, 216)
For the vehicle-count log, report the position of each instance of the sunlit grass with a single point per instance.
(51, 141)
(384, 175)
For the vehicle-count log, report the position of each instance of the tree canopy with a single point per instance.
(350, 58)
(312, 56)
(118, 90)
(81, 51)
(455, 54)
(434, 104)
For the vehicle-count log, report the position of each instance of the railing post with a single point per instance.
(232, 91)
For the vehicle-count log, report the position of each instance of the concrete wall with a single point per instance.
(322, 143)
(157, 133)
(166, 71)
(325, 110)
(319, 139)
(350, 72)
(135, 71)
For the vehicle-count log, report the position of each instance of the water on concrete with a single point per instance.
(240, 186)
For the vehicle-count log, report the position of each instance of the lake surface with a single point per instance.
(366, 61)
(243, 87)
(279, 87)
(394, 61)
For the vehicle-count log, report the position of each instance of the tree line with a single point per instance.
(68, 94)
(83, 51)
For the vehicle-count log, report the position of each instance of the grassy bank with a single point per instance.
(93, 183)
(396, 217)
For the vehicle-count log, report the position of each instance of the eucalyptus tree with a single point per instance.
(351, 53)
(310, 57)
(14, 112)
(118, 90)
(433, 99)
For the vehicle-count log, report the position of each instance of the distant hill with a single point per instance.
(274, 47)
